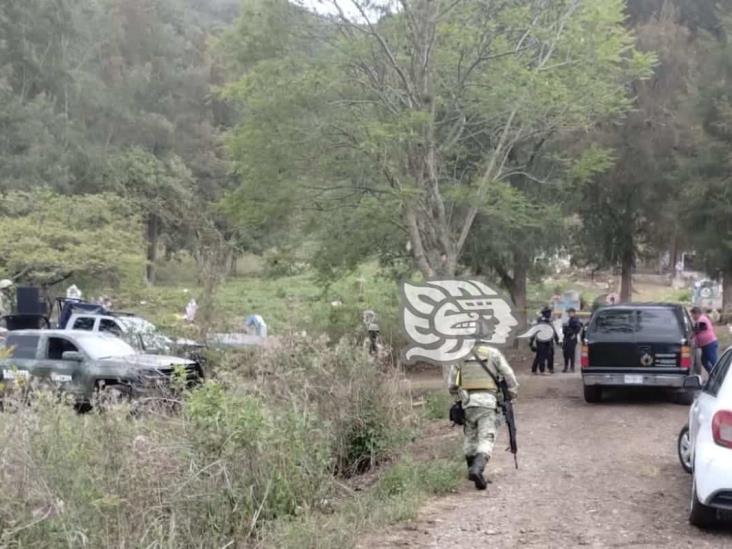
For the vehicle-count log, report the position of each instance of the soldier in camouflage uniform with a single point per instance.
(479, 395)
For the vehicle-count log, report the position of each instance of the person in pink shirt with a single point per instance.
(705, 338)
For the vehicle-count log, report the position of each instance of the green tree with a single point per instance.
(629, 210)
(424, 108)
(84, 83)
(162, 190)
(707, 200)
(48, 238)
(518, 224)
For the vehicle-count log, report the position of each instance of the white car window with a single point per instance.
(108, 325)
(57, 346)
(84, 323)
(22, 346)
(718, 375)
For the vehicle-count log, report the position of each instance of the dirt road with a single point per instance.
(602, 475)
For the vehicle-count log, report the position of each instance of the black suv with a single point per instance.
(639, 345)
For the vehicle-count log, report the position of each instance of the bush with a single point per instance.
(436, 477)
(281, 262)
(245, 452)
(361, 406)
(395, 497)
(437, 405)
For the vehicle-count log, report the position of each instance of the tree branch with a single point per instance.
(487, 178)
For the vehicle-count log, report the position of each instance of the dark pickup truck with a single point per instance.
(639, 345)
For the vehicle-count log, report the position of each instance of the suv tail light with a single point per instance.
(585, 357)
(685, 357)
(722, 428)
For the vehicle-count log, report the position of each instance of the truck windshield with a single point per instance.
(137, 325)
(105, 347)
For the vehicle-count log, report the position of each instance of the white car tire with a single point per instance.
(683, 446)
(700, 515)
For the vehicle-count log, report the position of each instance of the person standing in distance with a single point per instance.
(705, 338)
(542, 343)
(571, 331)
(476, 388)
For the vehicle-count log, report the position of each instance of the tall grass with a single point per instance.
(260, 447)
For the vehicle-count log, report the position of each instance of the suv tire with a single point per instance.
(593, 393)
(683, 397)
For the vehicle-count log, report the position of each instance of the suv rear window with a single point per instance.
(615, 320)
(22, 346)
(658, 321)
(645, 321)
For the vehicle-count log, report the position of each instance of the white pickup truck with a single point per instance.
(137, 331)
(141, 334)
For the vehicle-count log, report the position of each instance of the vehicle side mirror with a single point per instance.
(72, 356)
(693, 382)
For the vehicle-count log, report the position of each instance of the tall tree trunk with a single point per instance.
(233, 262)
(518, 292)
(626, 278)
(153, 237)
(727, 295)
(516, 284)
(674, 253)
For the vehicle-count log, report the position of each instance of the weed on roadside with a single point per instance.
(395, 498)
(437, 405)
(271, 443)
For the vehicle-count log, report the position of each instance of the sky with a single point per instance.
(326, 7)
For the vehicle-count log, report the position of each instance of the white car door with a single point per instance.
(705, 405)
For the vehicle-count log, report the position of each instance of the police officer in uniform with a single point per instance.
(542, 343)
(478, 392)
(571, 331)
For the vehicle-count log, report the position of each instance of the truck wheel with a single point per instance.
(701, 515)
(593, 393)
(111, 395)
(683, 447)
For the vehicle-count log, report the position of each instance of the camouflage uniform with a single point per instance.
(479, 395)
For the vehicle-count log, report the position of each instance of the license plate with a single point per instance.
(633, 380)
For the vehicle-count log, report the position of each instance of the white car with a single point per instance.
(705, 445)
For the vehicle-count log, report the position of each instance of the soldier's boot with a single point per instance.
(469, 460)
(476, 471)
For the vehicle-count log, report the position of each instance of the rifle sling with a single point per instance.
(487, 371)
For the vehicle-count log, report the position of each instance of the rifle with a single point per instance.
(506, 408)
